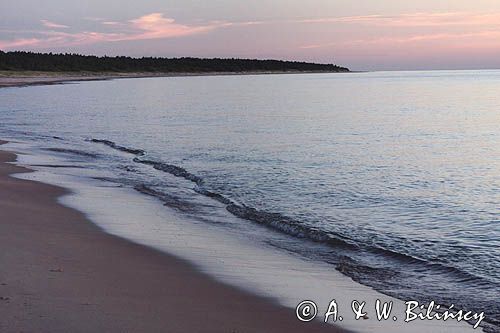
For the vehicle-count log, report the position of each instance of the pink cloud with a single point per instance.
(4, 45)
(490, 35)
(445, 31)
(110, 23)
(152, 26)
(53, 25)
(411, 39)
(437, 46)
(155, 26)
(416, 19)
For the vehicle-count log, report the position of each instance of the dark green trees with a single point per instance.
(30, 61)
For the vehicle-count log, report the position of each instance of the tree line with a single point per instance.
(31, 61)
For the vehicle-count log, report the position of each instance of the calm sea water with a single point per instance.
(392, 178)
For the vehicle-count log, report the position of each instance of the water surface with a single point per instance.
(391, 178)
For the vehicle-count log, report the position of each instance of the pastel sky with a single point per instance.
(360, 34)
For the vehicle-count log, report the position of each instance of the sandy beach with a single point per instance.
(29, 79)
(61, 273)
(23, 79)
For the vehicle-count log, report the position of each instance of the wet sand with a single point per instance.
(61, 273)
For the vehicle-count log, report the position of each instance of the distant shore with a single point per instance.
(27, 78)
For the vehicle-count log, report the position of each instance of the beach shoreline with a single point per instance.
(24, 79)
(62, 273)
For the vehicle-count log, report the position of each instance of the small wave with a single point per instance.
(275, 221)
(213, 195)
(58, 166)
(73, 152)
(287, 225)
(167, 200)
(113, 145)
(172, 169)
(442, 267)
(359, 272)
(148, 190)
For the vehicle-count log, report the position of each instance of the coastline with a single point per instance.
(61, 273)
(23, 79)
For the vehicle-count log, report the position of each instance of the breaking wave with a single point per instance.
(118, 147)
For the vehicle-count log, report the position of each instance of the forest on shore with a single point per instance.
(49, 62)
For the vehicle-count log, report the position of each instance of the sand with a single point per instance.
(22, 79)
(61, 273)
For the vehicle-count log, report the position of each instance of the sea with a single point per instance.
(390, 178)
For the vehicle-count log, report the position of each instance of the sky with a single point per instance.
(359, 34)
